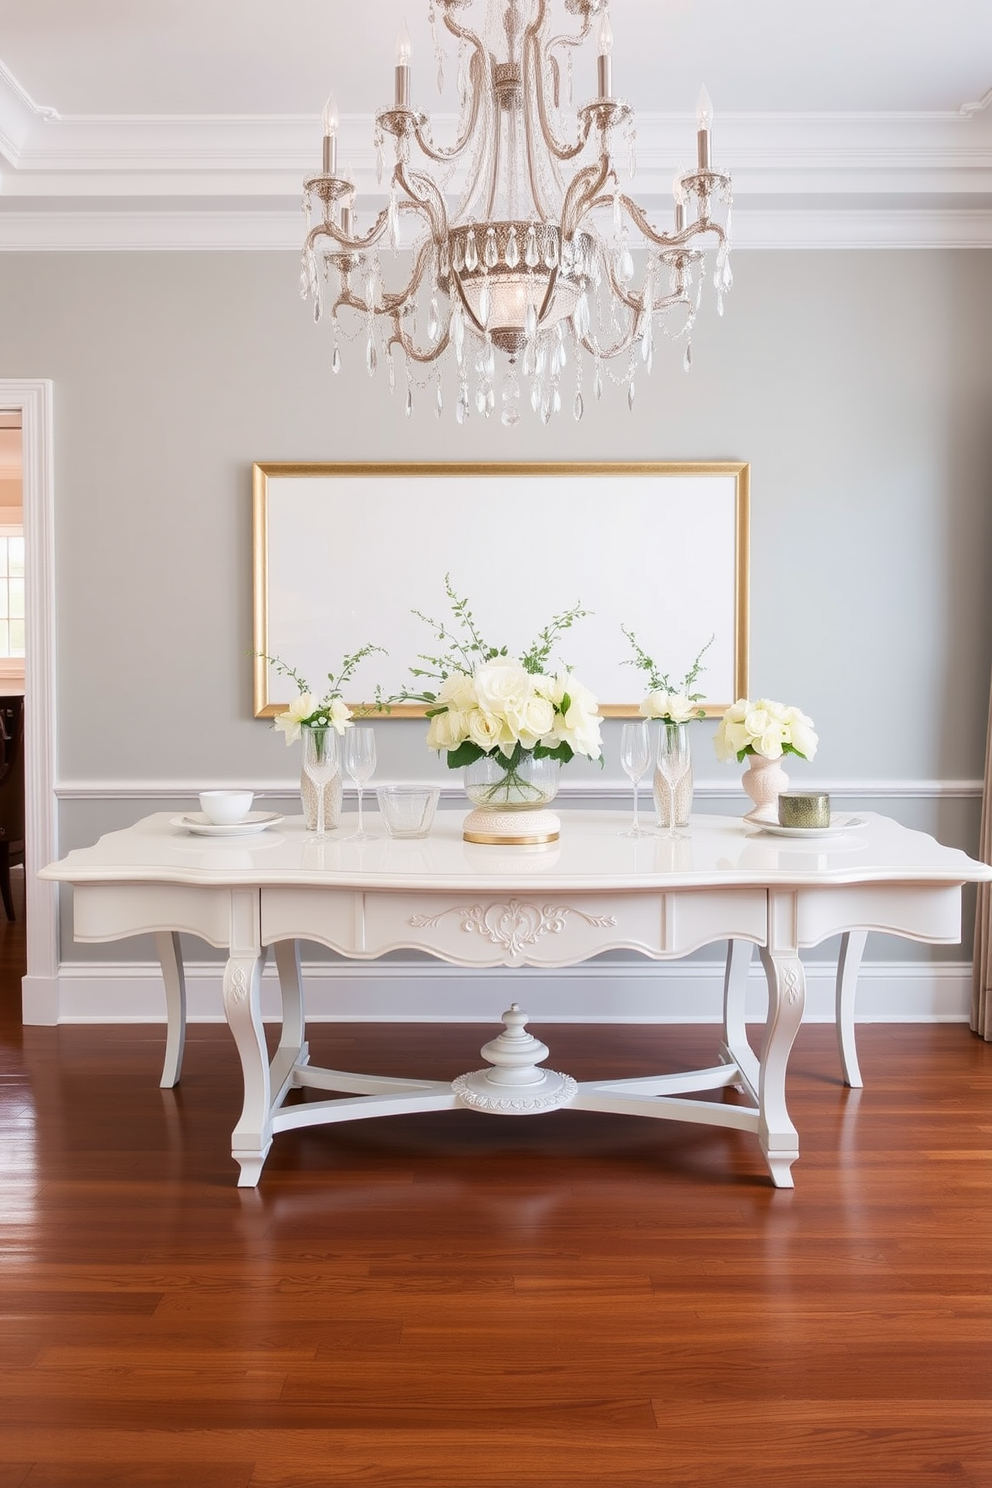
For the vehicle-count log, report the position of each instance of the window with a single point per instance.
(11, 593)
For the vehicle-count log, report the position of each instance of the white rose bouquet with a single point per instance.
(308, 711)
(765, 728)
(488, 703)
(671, 702)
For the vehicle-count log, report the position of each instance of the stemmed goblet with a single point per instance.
(635, 756)
(673, 766)
(321, 762)
(359, 761)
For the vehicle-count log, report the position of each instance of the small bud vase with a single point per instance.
(764, 780)
(511, 803)
(333, 794)
(683, 794)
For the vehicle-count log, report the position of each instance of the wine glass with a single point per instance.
(635, 756)
(673, 765)
(321, 762)
(359, 761)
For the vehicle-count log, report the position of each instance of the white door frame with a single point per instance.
(33, 397)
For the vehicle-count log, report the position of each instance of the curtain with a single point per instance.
(981, 995)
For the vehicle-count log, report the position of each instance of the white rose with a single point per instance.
(530, 719)
(680, 707)
(758, 720)
(447, 730)
(738, 738)
(730, 738)
(769, 743)
(721, 742)
(653, 706)
(500, 682)
(484, 729)
(580, 728)
(458, 691)
(801, 734)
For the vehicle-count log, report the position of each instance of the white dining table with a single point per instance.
(477, 906)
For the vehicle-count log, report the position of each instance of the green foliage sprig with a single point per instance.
(464, 648)
(659, 681)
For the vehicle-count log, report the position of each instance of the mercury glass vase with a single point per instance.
(683, 790)
(333, 795)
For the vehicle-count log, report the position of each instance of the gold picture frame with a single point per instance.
(344, 553)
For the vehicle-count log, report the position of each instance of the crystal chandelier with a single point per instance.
(527, 254)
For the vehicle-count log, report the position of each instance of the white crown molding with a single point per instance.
(968, 109)
(81, 183)
(18, 113)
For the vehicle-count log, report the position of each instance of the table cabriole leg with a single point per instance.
(786, 1000)
(293, 1049)
(852, 947)
(736, 1045)
(252, 1137)
(173, 976)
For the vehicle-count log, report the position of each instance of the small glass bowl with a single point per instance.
(407, 810)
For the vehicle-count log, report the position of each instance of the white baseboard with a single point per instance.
(41, 999)
(889, 992)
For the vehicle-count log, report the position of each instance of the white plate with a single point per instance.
(200, 825)
(838, 824)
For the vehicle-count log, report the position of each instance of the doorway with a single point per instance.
(26, 408)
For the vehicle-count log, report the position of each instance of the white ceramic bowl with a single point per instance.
(225, 807)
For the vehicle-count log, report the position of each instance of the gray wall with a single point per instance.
(858, 385)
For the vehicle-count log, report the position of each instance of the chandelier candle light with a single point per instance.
(531, 253)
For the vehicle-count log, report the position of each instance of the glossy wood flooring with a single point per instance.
(455, 1300)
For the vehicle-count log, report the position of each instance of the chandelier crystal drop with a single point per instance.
(517, 250)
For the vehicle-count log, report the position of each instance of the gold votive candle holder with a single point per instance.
(804, 809)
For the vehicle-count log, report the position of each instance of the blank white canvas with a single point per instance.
(351, 556)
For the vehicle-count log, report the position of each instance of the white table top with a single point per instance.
(718, 851)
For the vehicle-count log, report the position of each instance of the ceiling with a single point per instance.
(127, 123)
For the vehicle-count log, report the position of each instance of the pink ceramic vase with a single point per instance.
(764, 780)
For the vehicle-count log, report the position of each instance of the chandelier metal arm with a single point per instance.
(532, 67)
(565, 41)
(494, 172)
(460, 33)
(412, 351)
(393, 303)
(427, 201)
(445, 156)
(328, 229)
(663, 239)
(582, 193)
(637, 305)
(467, 308)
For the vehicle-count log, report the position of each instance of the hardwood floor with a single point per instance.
(455, 1300)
